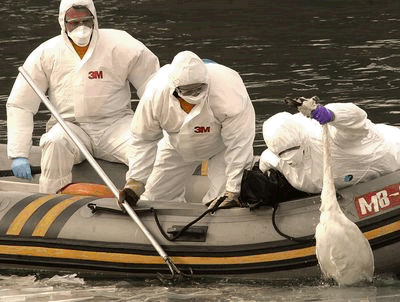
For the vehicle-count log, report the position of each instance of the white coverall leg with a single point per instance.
(217, 177)
(114, 143)
(59, 154)
(169, 174)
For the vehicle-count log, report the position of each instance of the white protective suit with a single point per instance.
(361, 150)
(220, 129)
(92, 94)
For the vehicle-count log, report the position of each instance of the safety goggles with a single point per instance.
(293, 156)
(289, 154)
(76, 22)
(192, 89)
(288, 150)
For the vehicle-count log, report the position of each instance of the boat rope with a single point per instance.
(301, 240)
(177, 235)
(98, 209)
(95, 208)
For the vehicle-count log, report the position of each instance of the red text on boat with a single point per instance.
(374, 202)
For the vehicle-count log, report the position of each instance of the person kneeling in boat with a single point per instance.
(191, 111)
(361, 150)
(86, 72)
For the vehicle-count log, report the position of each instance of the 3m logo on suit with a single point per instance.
(93, 75)
(201, 129)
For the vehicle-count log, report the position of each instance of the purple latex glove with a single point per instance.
(322, 115)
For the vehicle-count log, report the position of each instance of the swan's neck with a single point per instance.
(328, 194)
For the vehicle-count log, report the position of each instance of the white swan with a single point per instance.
(343, 252)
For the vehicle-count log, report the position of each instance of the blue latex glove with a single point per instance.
(21, 168)
(322, 115)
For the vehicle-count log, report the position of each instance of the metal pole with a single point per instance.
(96, 166)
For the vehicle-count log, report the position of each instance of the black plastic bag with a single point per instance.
(269, 189)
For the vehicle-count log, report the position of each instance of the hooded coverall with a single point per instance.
(91, 94)
(169, 143)
(361, 150)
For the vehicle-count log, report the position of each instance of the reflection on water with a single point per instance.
(74, 288)
(342, 51)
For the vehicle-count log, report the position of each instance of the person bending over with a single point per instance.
(189, 112)
(361, 150)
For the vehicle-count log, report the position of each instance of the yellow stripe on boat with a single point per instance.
(143, 259)
(189, 260)
(386, 229)
(277, 256)
(78, 254)
(19, 221)
(45, 223)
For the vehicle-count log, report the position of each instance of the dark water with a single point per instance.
(342, 51)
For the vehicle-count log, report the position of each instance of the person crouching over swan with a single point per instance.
(361, 150)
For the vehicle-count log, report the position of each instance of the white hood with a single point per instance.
(67, 4)
(282, 131)
(187, 68)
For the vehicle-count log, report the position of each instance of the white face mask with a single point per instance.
(81, 35)
(194, 100)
